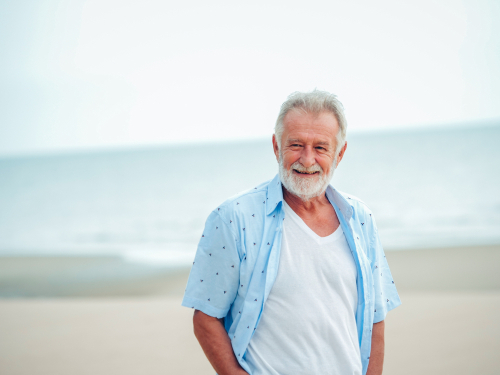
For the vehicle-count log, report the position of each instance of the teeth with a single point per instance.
(306, 172)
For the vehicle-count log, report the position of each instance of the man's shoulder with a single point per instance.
(253, 199)
(360, 208)
(352, 198)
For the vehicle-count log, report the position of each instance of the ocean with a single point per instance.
(427, 188)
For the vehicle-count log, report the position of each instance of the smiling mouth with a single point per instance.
(306, 173)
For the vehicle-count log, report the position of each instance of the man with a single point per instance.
(290, 277)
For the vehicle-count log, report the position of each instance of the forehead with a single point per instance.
(306, 126)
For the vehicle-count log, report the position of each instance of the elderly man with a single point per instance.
(290, 277)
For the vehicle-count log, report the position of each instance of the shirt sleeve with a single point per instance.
(385, 293)
(214, 278)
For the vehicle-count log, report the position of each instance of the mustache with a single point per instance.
(313, 168)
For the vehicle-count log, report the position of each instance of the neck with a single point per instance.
(309, 206)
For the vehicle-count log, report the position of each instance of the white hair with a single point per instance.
(314, 102)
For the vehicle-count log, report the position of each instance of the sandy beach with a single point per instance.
(448, 323)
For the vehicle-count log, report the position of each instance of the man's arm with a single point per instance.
(376, 363)
(216, 344)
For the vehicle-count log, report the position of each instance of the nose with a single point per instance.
(307, 157)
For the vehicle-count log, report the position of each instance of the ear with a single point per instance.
(276, 149)
(341, 153)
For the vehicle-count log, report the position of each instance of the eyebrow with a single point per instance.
(296, 140)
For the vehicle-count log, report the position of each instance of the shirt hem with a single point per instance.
(204, 307)
(391, 306)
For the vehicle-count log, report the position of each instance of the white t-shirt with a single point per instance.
(308, 325)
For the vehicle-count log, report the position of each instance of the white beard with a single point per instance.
(303, 187)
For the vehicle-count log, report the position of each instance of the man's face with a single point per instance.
(307, 155)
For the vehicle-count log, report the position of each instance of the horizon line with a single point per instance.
(104, 149)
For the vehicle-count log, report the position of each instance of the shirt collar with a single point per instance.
(275, 196)
(342, 203)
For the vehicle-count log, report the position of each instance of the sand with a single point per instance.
(86, 277)
(448, 323)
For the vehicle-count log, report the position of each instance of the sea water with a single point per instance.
(426, 188)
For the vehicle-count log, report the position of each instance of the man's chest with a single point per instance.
(323, 223)
(309, 316)
(314, 269)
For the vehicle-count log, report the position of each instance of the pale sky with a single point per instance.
(100, 74)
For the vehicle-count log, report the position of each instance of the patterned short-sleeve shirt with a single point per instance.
(237, 261)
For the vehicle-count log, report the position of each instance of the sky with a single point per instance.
(78, 75)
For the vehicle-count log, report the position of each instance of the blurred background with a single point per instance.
(123, 124)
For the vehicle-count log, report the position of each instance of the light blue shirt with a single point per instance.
(237, 262)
